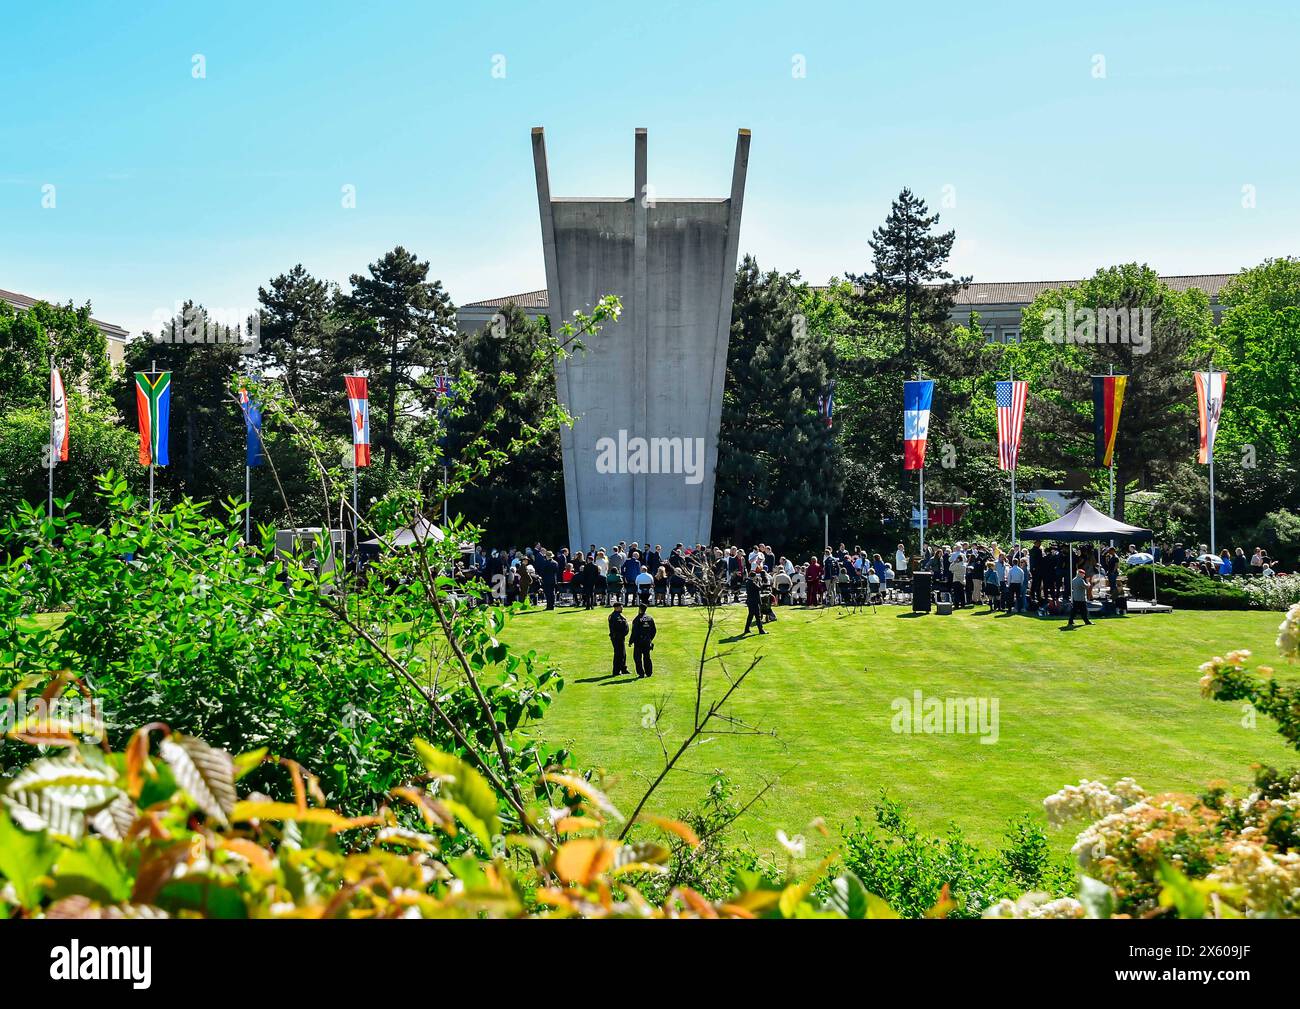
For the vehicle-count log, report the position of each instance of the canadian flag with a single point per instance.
(359, 409)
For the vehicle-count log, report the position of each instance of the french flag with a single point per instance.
(916, 421)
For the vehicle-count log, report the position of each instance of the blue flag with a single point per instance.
(253, 424)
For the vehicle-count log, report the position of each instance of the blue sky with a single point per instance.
(169, 186)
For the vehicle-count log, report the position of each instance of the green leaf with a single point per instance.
(206, 774)
(465, 792)
(849, 897)
(92, 870)
(25, 858)
(1179, 892)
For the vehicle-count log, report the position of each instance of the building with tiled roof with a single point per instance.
(999, 303)
(116, 335)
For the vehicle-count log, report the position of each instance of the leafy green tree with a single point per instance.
(1259, 344)
(1158, 429)
(30, 337)
(98, 442)
(777, 460)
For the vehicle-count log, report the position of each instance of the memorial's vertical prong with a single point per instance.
(640, 314)
(555, 313)
(739, 169)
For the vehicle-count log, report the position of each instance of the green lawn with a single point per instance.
(1117, 698)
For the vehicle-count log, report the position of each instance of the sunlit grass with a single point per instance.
(1118, 698)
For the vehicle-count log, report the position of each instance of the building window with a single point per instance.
(990, 335)
(1010, 335)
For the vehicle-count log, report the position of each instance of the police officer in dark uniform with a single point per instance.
(643, 636)
(618, 638)
(755, 590)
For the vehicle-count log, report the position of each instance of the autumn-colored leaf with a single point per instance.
(583, 859)
(682, 830)
(254, 854)
(584, 788)
(576, 824)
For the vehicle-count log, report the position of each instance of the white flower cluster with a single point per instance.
(1035, 905)
(1091, 800)
(1288, 633)
(1273, 593)
(1269, 881)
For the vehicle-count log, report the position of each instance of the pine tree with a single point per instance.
(400, 323)
(909, 285)
(522, 501)
(777, 460)
(901, 329)
(299, 325)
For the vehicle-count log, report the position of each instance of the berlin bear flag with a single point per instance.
(359, 409)
(1210, 388)
(58, 418)
(916, 421)
(153, 403)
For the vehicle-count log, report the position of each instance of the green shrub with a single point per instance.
(910, 871)
(197, 631)
(1183, 588)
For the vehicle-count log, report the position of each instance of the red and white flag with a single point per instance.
(1011, 418)
(359, 410)
(1210, 386)
(58, 417)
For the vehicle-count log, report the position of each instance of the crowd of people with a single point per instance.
(1037, 577)
(1045, 578)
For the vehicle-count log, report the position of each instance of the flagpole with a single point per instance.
(248, 502)
(1210, 431)
(54, 449)
(1111, 467)
(1015, 460)
(156, 439)
(921, 486)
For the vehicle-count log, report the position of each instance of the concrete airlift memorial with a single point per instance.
(646, 395)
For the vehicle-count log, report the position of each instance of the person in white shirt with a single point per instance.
(957, 567)
(900, 559)
(1015, 586)
(645, 583)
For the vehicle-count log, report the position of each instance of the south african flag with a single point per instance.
(153, 401)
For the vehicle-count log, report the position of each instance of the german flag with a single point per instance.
(1107, 402)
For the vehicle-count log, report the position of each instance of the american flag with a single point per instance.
(1011, 418)
(442, 385)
